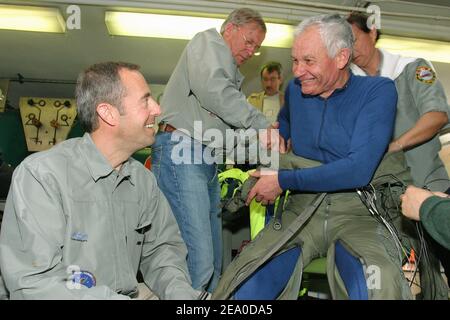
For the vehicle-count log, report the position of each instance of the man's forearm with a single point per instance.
(425, 128)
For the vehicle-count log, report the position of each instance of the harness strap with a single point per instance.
(286, 236)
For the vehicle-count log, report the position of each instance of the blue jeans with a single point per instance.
(193, 193)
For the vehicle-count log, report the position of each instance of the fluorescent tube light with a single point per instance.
(29, 18)
(182, 27)
(278, 35)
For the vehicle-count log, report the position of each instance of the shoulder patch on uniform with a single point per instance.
(425, 74)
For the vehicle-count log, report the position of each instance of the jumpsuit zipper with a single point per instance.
(321, 125)
(325, 222)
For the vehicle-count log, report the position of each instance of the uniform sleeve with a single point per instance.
(163, 261)
(31, 242)
(211, 79)
(425, 87)
(368, 143)
(435, 217)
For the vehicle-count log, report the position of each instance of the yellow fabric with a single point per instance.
(257, 210)
(257, 218)
(231, 173)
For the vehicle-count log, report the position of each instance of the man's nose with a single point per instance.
(251, 51)
(156, 109)
(298, 70)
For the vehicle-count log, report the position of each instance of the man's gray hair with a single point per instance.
(100, 83)
(335, 31)
(243, 16)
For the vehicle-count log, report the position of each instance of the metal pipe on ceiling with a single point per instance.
(271, 8)
(287, 11)
(22, 80)
(410, 3)
(294, 4)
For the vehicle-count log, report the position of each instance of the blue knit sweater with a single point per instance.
(348, 132)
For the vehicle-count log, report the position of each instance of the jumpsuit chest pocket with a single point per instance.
(135, 243)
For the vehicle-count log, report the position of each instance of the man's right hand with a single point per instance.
(412, 200)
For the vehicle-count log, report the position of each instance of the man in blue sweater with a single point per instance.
(345, 122)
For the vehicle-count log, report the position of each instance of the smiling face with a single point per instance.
(318, 73)
(243, 40)
(137, 121)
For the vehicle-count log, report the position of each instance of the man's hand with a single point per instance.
(267, 189)
(289, 145)
(412, 199)
(395, 146)
(270, 138)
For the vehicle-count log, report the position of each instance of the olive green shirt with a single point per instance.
(68, 210)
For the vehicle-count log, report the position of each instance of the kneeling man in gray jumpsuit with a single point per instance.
(83, 217)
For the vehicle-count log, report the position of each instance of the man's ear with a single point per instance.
(227, 31)
(343, 57)
(107, 113)
(229, 27)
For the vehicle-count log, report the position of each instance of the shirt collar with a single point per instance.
(346, 85)
(335, 92)
(96, 162)
(125, 171)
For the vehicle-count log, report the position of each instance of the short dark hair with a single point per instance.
(99, 83)
(271, 66)
(359, 19)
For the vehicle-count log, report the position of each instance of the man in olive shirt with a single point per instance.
(83, 217)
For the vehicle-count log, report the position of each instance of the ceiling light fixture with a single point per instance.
(182, 27)
(29, 18)
(278, 35)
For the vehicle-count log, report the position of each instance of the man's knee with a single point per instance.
(377, 277)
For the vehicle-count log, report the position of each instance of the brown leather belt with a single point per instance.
(165, 127)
